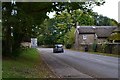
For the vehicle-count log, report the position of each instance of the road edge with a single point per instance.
(48, 65)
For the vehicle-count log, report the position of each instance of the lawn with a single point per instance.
(28, 65)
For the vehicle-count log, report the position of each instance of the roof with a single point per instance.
(100, 31)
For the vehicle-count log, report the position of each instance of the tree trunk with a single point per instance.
(7, 42)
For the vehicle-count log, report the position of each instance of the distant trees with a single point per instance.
(100, 20)
(61, 24)
(60, 29)
(83, 18)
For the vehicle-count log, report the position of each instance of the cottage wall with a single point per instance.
(80, 41)
(86, 38)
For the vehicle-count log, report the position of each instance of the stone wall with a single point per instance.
(110, 48)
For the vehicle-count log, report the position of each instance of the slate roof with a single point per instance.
(101, 31)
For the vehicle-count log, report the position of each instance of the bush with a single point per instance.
(68, 46)
(69, 38)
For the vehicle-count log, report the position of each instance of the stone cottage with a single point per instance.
(92, 34)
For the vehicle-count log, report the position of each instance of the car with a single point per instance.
(58, 48)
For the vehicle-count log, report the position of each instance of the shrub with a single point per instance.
(69, 38)
(68, 46)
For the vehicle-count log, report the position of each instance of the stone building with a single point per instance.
(85, 35)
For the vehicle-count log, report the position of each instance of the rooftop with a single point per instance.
(100, 31)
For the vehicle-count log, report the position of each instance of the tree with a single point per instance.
(69, 38)
(24, 19)
(82, 18)
(115, 36)
(62, 23)
(100, 20)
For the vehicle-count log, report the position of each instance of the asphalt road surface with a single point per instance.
(74, 64)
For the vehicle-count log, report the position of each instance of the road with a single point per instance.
(74, 64)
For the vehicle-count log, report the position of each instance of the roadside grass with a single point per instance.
(105, 54)
(28, 65)
(98, 53)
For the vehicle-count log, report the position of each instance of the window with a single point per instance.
(84, 37)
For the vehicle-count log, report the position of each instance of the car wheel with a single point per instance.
(62, 51)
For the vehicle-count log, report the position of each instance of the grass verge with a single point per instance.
(28, 65)
(98, 53)
(105, 54)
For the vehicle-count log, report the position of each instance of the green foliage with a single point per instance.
(82, 18)
(118, 25)
(68, 45)
(63, 21)
(115, 36)
(23, 25)
(40, 40)
(55, 29)
(113, 22)
(69, 38)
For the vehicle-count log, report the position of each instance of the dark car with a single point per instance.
(58, 48)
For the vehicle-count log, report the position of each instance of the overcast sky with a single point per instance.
(109, 9)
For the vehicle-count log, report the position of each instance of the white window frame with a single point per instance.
(84, 37)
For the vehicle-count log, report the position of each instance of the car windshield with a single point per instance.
(58, 46)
